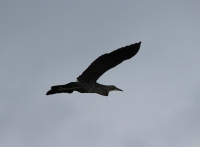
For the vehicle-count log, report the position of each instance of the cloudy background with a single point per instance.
(45, 43)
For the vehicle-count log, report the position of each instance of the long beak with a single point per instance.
(118, 89)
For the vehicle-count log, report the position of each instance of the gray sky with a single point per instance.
(45, 43)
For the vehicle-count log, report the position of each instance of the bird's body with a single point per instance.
(87, 80)
(82, 88)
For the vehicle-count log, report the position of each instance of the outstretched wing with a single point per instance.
(108, 61)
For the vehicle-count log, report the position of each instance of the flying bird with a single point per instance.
(87, 81)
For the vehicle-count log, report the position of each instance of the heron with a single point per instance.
(87, 81)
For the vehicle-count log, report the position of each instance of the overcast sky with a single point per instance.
(46, 43)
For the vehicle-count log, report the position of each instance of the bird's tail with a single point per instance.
(68, 88)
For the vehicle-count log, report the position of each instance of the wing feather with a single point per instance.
(108, 61)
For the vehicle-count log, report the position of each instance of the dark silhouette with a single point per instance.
(87, 80)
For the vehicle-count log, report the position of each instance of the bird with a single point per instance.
(87, 81)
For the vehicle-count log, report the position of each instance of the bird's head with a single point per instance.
(114, 88)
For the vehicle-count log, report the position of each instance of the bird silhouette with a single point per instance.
(86, 82)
